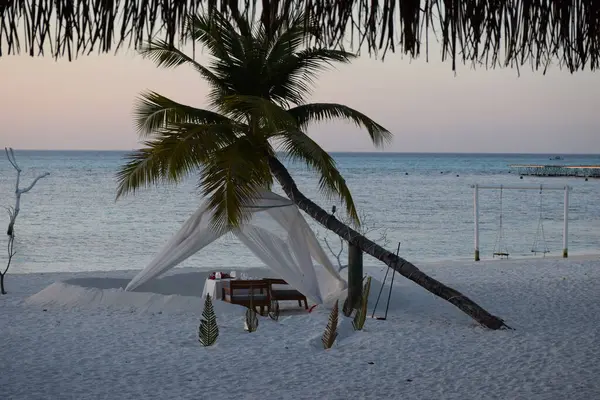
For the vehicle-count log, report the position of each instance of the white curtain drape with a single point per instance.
(290, 256)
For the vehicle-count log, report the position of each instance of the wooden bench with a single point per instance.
(286, 294)
(246, 292)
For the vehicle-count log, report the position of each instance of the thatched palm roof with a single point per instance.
(492, 32)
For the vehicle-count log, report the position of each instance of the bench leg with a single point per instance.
(305, 304)
(299, 303)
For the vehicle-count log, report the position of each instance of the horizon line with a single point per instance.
(343, 152)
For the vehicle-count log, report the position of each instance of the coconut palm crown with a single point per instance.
(259, 84)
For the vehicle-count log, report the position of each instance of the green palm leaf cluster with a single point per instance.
(259, 82)
(361, 312)
(251, 320)
(330, 333)
(208, 332)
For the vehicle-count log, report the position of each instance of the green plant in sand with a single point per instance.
(251, 317)
(361, 312)
(330, 333)
(208, 332)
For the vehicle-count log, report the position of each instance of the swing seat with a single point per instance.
(502, 254)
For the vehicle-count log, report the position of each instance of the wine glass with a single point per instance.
(232, 274)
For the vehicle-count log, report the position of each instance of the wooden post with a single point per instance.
(355, 274)
(565, 252)
(476, 219)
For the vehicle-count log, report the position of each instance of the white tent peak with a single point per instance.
(296, 257)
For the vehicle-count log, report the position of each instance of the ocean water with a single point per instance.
(70, 220)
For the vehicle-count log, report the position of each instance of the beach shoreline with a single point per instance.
(369, 264)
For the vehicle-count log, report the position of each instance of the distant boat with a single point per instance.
(556, 158)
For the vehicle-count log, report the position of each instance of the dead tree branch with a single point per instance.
(18, 192)
(338, 247)
(11, 254)
(14, 211)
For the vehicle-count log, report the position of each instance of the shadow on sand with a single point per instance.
(175, 283)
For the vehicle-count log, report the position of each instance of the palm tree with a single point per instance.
(259, 79)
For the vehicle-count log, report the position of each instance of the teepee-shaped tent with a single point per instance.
(290, 255)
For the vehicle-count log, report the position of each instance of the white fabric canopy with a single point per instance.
(290, 257)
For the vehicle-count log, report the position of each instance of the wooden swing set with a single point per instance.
(539, 244)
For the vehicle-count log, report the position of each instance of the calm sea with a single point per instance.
(71, 222)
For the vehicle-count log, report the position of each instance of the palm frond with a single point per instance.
(236, 54)
(165, 55)
(358, 322)
(330, 333)
(291, 31)
(208, 331)
(300, 147)
(215, 33)
(270, 117)
(175, 152)
(292, 75)
(153, 111)
(251, 320)
(231, 179)
(144, 167)
(317, 112)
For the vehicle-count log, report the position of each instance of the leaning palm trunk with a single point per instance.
(399, 264)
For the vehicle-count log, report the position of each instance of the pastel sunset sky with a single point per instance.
(87, 104)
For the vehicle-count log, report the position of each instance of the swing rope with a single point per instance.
(539, 234)
(389, 293)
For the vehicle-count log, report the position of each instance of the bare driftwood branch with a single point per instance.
(490, 32)
(11, 254)
(18, 192)
(368, 227)
(14, 211)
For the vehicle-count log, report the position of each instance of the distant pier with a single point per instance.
(583, 171)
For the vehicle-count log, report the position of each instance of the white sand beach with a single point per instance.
(77, 336)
